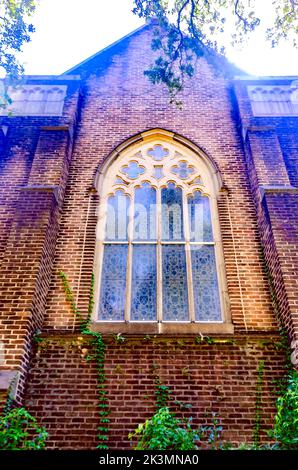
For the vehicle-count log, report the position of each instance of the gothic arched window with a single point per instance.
(159, 252)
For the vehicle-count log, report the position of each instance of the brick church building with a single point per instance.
(188, 220)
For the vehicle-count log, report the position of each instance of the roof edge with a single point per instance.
(145, 25)
(41, 78)
(252, 78)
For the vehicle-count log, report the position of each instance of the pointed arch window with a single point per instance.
(159, 251)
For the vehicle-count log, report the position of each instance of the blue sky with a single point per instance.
(69, 31)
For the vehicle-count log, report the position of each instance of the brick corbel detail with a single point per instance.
(27, 261)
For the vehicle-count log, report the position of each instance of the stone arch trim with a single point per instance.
(173, 140)
(166, 135)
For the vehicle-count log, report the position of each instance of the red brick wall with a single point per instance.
(114, 108)
(287, 130)
(272, 155)
(283, 210)
(117, 103)
(16, 158)
(34, 177)
(218, 378)
(17, 151)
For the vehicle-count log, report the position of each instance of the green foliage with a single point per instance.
(15, 30)
(98, 355)
(188, 29)
(20, 431)
(166, 432)
(258, 406)
(182, 405)
(71, 300)
(244, 446)
(99, 349)
(204, 339)
(162, 394)
(37, 339)
(90, 304)
(210, 436)
(285, 430)
(119, 338)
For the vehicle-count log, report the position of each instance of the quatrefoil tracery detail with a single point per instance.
(183, 170)
(158, 152)
(133, 170)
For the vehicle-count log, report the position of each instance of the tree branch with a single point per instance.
(240, 17)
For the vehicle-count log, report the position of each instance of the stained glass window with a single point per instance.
(132, 170)
(117, 216)
(158, 254)
(183, 170)
(158, 152)
(172, 213)
(145, 213)
(158, 172)
(143, 296)
(205, 283)
(197, 181)
(113, 284)
(174, 283)
(199, 218)
(119, 180)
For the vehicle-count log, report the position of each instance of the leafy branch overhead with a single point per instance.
(188, 29)
(15, 30)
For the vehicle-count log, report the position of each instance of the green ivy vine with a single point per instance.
(19, 430)
(258, 404)
(287, 404)
(164, 431)
(98, 355)
(162, 394)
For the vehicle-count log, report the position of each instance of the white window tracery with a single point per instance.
(158, 250)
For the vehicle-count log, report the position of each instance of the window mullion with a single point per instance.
(188, 258)
(168, 252)
(129, 259)
(159, 257)
(98, 267)
(128, 283)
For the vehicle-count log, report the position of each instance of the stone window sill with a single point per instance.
(163, 328)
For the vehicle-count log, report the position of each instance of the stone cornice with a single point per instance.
(277, 189)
